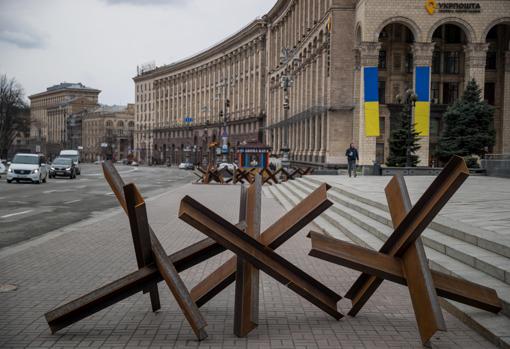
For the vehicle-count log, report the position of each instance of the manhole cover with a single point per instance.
(7, 287)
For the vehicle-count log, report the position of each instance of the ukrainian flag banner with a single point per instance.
(371, 101)
(422, 108)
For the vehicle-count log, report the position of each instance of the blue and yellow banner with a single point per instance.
(371, 101)
(422, 108)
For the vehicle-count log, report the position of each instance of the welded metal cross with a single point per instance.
(154, 266)
(254, 251)
(402, 258)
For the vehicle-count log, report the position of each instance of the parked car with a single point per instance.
(28, 167)
(3, 169)
(72, 154)
(186, 166)
(63, 167)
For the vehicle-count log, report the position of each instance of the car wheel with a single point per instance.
(45, 179)
(17, 180)
(9, 181)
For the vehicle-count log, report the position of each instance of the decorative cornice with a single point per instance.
(255, 31)
(369, 53)
(422, 53)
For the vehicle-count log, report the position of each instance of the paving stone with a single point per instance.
(58, 270)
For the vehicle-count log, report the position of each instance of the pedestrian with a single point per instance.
(352, 157)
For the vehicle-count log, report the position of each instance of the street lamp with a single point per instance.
(226, 84)
(286, 81)
(409, 101)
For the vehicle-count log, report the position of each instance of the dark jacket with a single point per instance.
(352, 154)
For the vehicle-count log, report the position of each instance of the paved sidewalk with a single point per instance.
(95, 252)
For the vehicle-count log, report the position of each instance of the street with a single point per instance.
(30, 210)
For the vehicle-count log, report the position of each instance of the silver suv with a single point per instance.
(28, 167)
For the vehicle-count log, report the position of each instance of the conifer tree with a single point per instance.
(402, 136)
(468, 125)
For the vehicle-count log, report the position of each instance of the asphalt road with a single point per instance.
(31, 210)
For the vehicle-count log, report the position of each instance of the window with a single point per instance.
(451, 62)
(452, 34)
(434, 92)
(382, 125)
(450, 92)
(382, 92)
(490, 92)
(397, 64)
(409, 63)
(491, 60)
(382, 59)
(436, 62)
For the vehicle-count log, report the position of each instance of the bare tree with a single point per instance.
(13, 113)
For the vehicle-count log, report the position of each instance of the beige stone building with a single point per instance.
(108, 132)
(347, 60)
(49, 113)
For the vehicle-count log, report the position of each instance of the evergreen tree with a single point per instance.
(400, 139)
(468, 125)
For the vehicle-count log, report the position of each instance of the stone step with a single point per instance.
(494, 327)
(482, 238)
(378, 222)
(288, 200)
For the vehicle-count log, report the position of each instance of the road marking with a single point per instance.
(15, 214)
(109, 193)
(57, 191)
(18, 202)
(72, 201)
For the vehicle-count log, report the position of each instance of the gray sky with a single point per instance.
(100, 42)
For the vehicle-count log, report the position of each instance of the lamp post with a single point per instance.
(286, 57)
(409, 101)
(224, 116)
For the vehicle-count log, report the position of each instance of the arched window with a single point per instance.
(120, 123)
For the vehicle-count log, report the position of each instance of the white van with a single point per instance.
(72, 154)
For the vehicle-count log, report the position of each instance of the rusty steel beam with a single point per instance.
(390, 268)
(143, 279)
(138, 219)
(273, 237)
(247, 277)
(257, 254)
(412, 225)
(128, 285)
(141, 238)
(415, 265)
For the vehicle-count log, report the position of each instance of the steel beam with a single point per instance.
(259, 255)
(273, 237)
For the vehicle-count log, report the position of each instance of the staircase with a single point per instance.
(452, 247)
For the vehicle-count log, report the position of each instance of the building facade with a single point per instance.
(192, 103)
(324, 73)
(50, 112)
(107, 133)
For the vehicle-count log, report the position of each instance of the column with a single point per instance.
(367, 126)
(422, 60)
(505, 115)
(476, 56)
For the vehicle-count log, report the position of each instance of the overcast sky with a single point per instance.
(100, 42)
